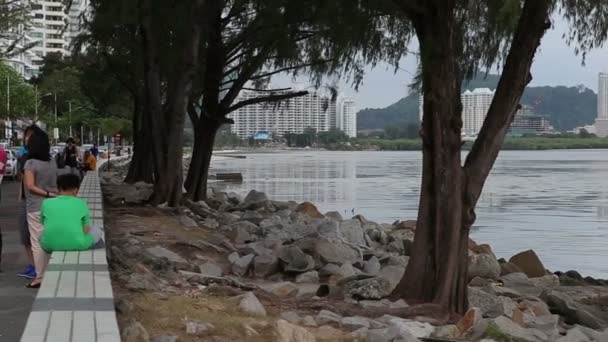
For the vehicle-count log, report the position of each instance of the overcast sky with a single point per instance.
(555, 64)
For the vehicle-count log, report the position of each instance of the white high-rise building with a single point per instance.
(346, 118)
(290, 116)
(315, 110)
(601, 123)
(475, 105)
(53, 27)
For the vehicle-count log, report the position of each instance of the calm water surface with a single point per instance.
(555, 202)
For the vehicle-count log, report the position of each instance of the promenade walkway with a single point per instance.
(15, 300)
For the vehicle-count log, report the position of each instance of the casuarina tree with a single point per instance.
(456, 38)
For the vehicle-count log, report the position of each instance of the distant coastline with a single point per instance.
(515, 144)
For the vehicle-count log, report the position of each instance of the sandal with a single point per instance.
(33, 286)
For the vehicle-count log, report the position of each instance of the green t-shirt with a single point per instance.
(64, 218)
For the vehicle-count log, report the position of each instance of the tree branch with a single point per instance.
(263, 99)
(533, 23)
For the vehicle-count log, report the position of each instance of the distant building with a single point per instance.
(601, 123)
(346, 117)
(53, 27)
(526, 122)
(475, 105)
(315, 110)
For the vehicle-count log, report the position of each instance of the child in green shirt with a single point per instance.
(66, 219)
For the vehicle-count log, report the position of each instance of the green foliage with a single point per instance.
(493, 332)
(22, 95)
(333, 136)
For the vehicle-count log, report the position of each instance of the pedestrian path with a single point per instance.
(15, 300)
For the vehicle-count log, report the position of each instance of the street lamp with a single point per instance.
(70, 116)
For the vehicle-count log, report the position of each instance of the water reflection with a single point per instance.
(555, 202)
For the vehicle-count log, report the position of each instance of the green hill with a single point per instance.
(566, 107)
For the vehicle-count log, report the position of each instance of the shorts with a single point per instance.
(24, 230)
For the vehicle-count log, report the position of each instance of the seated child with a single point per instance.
(66, 219)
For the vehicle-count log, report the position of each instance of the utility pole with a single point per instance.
(36, 104)
(70, 116)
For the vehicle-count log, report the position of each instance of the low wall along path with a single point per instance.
(75, 302)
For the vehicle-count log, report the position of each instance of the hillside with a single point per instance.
(566, 107)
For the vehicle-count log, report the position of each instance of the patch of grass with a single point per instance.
(493, 332)
(167, 316)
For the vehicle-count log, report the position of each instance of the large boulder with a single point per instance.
(393, 274)
(483, 265)
(352, 232)
(309, 209)
(241, 266)
(571, 311)
(372, 288)
(508, 268)
(529, 263)
(256, 200)
(287, 332)
(294, 260)
(515, 332)
(265, 265)
(243, 232)
(250, 304)
(335, 252)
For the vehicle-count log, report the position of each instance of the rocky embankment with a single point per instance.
(312, 276)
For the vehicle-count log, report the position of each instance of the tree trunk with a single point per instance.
(437, 271)
(141, 166)
(198, 173)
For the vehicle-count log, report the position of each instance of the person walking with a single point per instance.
(24, 232)
(71, 156)
(95, 151)
(40, 180)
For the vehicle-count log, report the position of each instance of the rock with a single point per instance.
(547, 282)
(354, 323)
(242, 264)
(140, 195)
(336, 253)
(287, 332)
(142, 281)
(165, 338)
(517, 333)
(329, 333)
(309, 321)
(537, 307)
(372, 266)
(373, 288)
(211, 269)
(515, 280)
(243, 232)
(255, 200)
(233, 257)
(309, 209)
(398, 260)
(198, 328)
(250, 304)
(334, 215)
(228, 218)
(291, 317)
(548, 324)
(501, 291)
(480, 282)
(572, 312)
(308, 277)
(402, 326)
(187, 221)
(574, 335)
(265, 265)
(294, 260)
(282, 289)
(210, 223)
(469, 320)
(447, 332)
(360, 334)
(328, 317)
(393, 274)
(158, 252)
(329, 230)
(234, 198)
(390, 334)
(252, 217)
(484, 266)
(490, 305)
(352, 232)
(529, 263)
(397, 246)
(508, 268)
(135, 332)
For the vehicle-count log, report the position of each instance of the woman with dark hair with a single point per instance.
(24, 231)
(40, 181)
